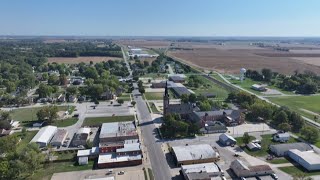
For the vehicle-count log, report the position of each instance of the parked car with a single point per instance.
(121, 173)
(274, 176)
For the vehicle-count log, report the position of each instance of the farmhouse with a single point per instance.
(227, 140)
(194, 154)
(43, 137)
(242, 170)
(307, 159)
(59, 137)
(282, 149)
(201, 171)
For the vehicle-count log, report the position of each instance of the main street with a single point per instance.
(158, 161)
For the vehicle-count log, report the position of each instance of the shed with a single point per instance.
(307, 159)
(83, 160)
(253, 146)
(281, 137)
(227, 140)
(282, 149)
(43, 137)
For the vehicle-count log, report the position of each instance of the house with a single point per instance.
(61, 98)
(81, 137)
(202, 171)
(227, 140)
(107, 95)
(281, 137)
(72, 99)
(177, 79)
(258, 87)
(194, 154)
(253, 146)
(59, 137)
(213, 127)
(4, 132)
(45, 134)
(14, 124)
(242, 170)
(307, 159)
(282, 149)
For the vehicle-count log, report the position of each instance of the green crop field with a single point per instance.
(296, 103)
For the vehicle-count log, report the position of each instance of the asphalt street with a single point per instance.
(158, 161)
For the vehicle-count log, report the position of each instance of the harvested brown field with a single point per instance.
(231, 60)
(309, 60)
(156, 44)
(75, 60)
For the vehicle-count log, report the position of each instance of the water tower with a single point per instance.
(242, 73)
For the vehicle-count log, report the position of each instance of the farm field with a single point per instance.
(75, 60)
(156, 44)
(97, 121)
(297, 103)
(230, 58)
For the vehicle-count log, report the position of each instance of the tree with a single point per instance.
(310, 134)
(280, 117)
(301, 176)
(44, 91)
(145, 63)
(133, 103)
(246, 138)
(205, 106)
(72, 90)
(184, 98)
(53, 80)
(141, 90)
(192, 98)
(267, 73)
(284, 127)
(120, 101)
(48, 114)
(296, 121)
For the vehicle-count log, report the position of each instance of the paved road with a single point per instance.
(158, 161)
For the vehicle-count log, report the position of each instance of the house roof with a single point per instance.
(309, 156)
(226, 137)
(286, 147)
(194, 152)
(45, 134)
(283, 135)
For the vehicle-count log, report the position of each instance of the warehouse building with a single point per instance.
(59, 137)
(43, 137)
(115, 135)
(202, 171)
(242, 170)
(227, 140)
(307, 159)
(194, 154)
(282, 149)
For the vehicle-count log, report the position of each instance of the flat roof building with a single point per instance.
(81, 137)
(193, 154)
(43, 137)
(202, 171)
(282, 149)
(242, 170)
(110, 160)
(307, 159)
(59, 137)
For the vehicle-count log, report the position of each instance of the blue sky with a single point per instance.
(161, 17)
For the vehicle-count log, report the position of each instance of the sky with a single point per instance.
(160, 17)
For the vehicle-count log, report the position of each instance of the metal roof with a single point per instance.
(286, 147)
(225, 137)
(45, 134)
(201, 171)
(309, 156)
(84, 131)
(117, 129)
(194, 152)
(112, 157)
(129, 147)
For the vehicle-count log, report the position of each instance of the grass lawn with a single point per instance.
(279, 161)
(311, 103)
(150, 174)
(292, 170)
(153, 108)
(217, 77)
(154, 75)
(30, 114)
(97, 121)
(265, 142)
(25, 139)
(240, 140)
(154, 95)
(66, 155)
(65, 122)
(214, 88)
(125, 97)
(50, 169)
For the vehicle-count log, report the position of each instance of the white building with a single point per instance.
(281, 137)
(201, 171)
(308, 159)
(43, 137)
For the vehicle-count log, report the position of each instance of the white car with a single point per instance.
(274, 176)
